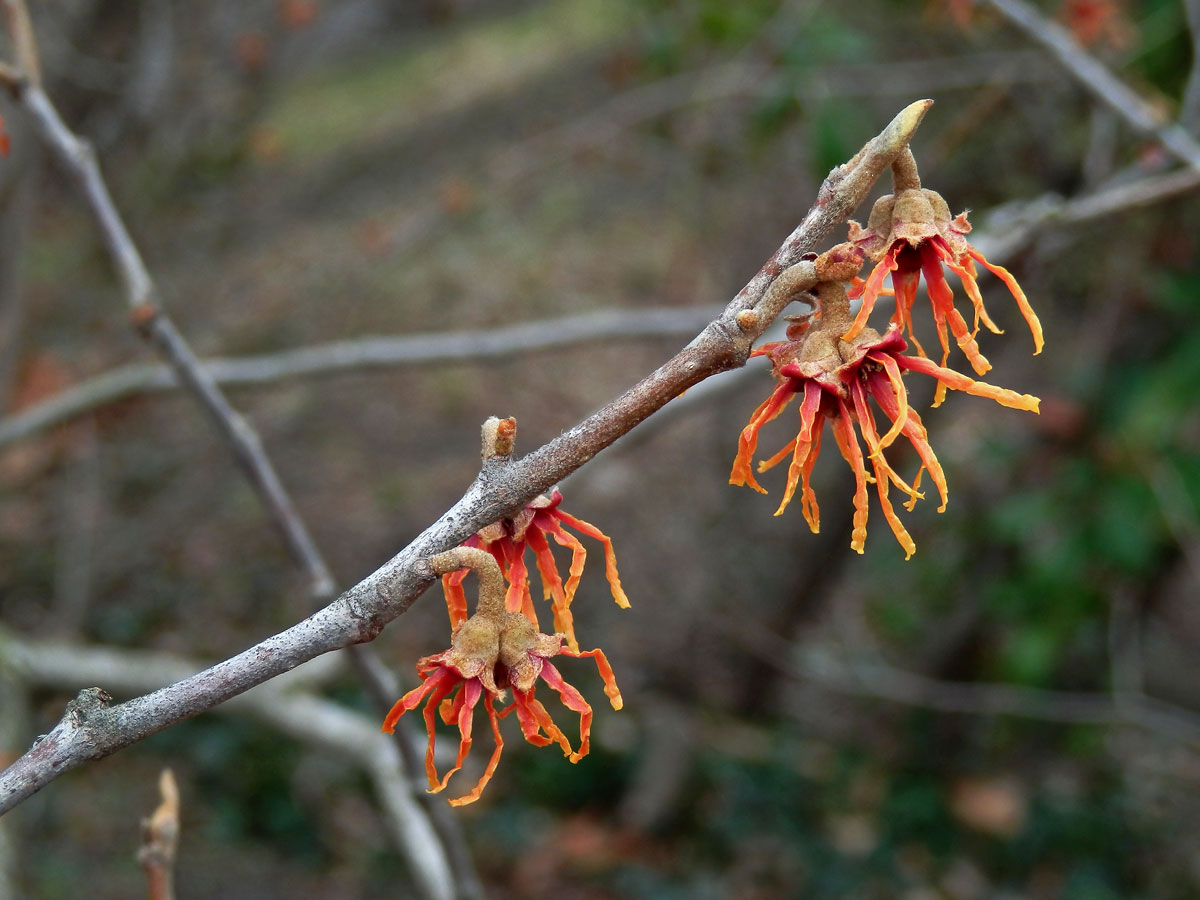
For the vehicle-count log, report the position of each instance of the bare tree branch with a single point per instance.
(93, 728)
(359, 355)
(1096, 77)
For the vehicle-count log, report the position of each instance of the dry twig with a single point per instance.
(160, 840)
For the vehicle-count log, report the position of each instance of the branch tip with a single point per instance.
(499, 437)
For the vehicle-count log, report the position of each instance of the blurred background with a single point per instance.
(1013, 713)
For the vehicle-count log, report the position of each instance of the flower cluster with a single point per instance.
(838, 365)
(491, 652)
(541, 521)
(500, 647)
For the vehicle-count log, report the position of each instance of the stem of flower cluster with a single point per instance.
(483, 564)
(904, 172)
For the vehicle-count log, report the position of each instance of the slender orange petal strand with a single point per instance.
(518, 597)
(883, 472)
(572, 700)
(911, 502)
(526, 719)
(904, 286)
(805, 449)
(915, 431)
(966, 275)
(808, 498)
(551, 525)
(942, 299)
(799, 461)
(456, 597)
(960, 382)
(765, 465)
(492, 763)
(1031, 319)
(610, 556)
(552, 585)
(809, 407)
(872, 288)
(467, 698)
(748, 439)
(897, 382)
(435, 699)
(866, 424)
(610, 680)
(412, 699)
(843, 431)
(534, 718)
(449, 708)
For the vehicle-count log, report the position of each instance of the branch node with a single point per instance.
(144, 315)
(88, 702)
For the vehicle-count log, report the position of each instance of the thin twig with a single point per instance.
(93, 728)
(160, 840)
(1095, 76)
(885, 682)
(360, 355)
(78, 159)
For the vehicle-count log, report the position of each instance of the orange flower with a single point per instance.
(439, 680)
(911, 233)
(525, 656)
(507, 540)
(493, 650)
(835, 380)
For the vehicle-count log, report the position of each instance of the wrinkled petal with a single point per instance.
(456, 596)
(1031, 319)
(490, 770)
(872, 288)
(769, 409)
(847, 443)
(610, 556)
(866, 425)
(914, 430)
(959, 382)
(518, 598)
(465, 708)
(574, 701)
(896, 380)
(606, 673)
(552, 584)
(942, 299)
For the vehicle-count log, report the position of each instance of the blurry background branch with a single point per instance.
(363, 354)
(286, 706)
(1093, 75)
